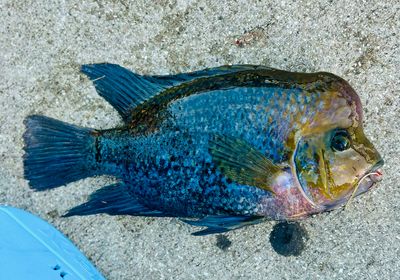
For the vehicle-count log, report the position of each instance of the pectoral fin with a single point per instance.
(242, 163)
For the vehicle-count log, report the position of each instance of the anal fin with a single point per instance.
(113, 200)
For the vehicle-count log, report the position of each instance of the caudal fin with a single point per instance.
(56, 153)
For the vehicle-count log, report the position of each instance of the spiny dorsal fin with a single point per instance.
(124, 90)
(177, 79)
(242, 163)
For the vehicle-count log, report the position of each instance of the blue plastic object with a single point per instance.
(30, 248)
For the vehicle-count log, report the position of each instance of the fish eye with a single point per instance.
(340, 141)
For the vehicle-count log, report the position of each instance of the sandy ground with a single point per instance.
(43, 44)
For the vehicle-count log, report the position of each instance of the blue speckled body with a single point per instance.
(170, 168)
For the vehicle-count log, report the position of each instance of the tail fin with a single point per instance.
(56, 153)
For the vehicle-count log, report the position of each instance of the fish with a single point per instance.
(219, 148)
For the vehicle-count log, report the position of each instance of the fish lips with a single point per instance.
(370, 178)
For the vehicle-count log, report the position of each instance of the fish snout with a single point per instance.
(377, 175)
(372, 177)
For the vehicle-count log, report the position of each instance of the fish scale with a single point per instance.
(192, 117)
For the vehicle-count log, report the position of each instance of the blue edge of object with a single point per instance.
(30, 248)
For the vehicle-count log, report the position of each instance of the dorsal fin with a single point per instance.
(124, 90)
(177, 79)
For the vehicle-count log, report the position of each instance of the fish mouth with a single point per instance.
(369, 179)
(365, 183)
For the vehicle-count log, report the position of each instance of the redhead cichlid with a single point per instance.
(222, 148)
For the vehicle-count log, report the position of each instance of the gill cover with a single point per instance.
(310, 167)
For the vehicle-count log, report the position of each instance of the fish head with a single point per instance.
(333, 158)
